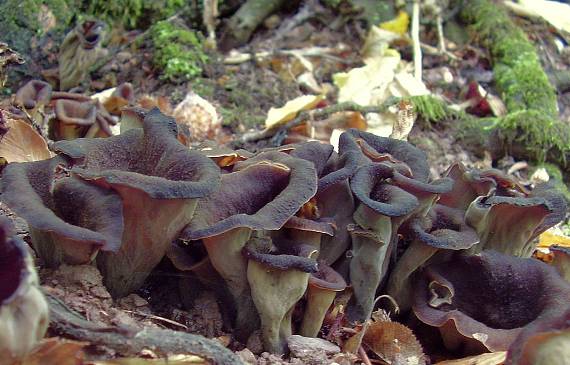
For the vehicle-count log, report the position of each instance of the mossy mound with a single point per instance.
(531, 129)
(20, 20)
(178, 52)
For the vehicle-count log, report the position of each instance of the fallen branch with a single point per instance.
(130, 342)
(328, 52)
(317, 113)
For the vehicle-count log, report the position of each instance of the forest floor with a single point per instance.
(243, 92)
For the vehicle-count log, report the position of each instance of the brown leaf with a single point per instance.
(22, 143)
(394, 343)
(56, 351)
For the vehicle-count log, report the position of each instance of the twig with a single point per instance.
(130, 341)
(416, 40)
(439, 27)
(327, 52)
(431, 50)
(364, 356)
(157, 318)
(317, 113)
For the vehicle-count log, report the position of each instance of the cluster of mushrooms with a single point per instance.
(298, 224)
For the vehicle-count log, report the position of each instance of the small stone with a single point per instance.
(247, 356)
(302, 346)
(100, 292)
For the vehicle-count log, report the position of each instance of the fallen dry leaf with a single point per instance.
(549, 238)
(494, 358)
(56, 351)
(394, 343)
(170, 360)
(278, 116)
(22, 143)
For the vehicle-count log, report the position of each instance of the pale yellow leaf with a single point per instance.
(494, 358)
(278, 116)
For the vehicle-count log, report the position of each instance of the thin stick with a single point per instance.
(152, 316)
(416, 40)
(364, 356)
(317, 113)
(327, 52)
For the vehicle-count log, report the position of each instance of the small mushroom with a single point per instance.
(467, 186)
(33, 97)
(441, 232)
(322, 289)
(73, 119)
(23, 308)
(482, 302)
(509, 224)
(123, 95)
(80, 50)
(261, 193)
(278, 281)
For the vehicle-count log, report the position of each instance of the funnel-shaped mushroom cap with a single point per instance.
(75, 112)
(69, 219)
(467, 186)
(371, 186)
(545, 342)
(510, 224)
(380, 149)
(485, 300)
(23, 309)
(316, 152)
(143, 183)
(261, 194)
(73, 118)
(90, 33)
(440, 233)
(35, 93)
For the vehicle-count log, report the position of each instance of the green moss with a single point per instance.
(178, 52)
(134, 13)
(431, 109)
(532, 123)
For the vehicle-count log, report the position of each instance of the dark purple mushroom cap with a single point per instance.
(87, 217)
(327, 278)
(13, 269)
(386, 149)
(297, 258)
(444, 228)
(75, 195)
(544, 342)
(262, 192)
(489, 297)
(561, 260)
(371, 186)
(34, 93)
(467, 186)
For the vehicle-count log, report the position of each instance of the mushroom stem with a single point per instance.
(318, 302)
(399, 285)
(369, 248)
(225, 255)
(275, 293)
(125, 271)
